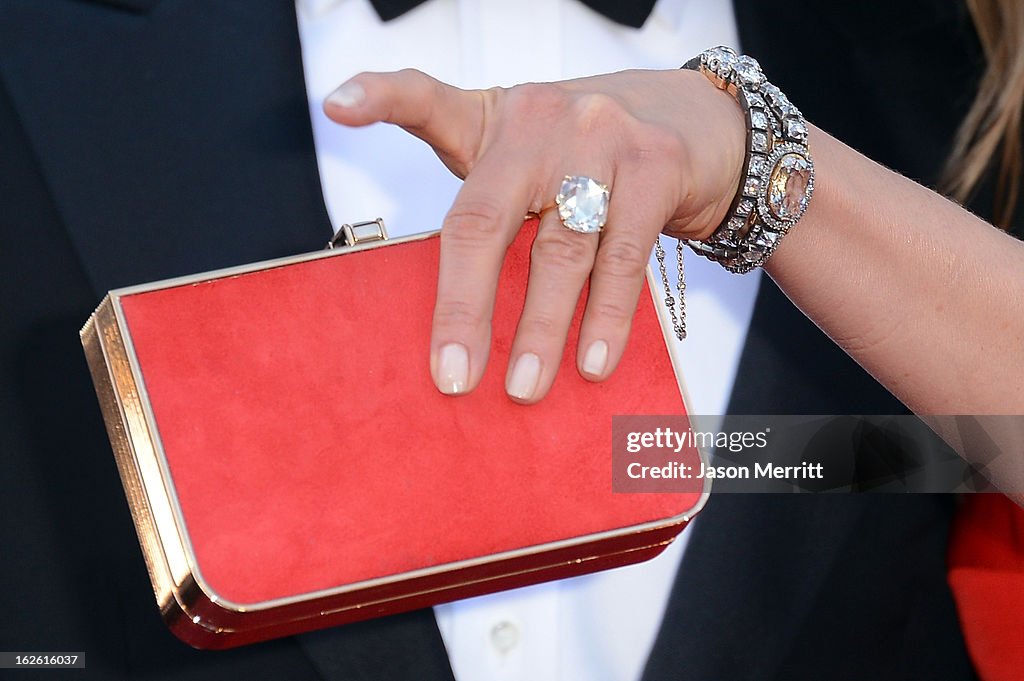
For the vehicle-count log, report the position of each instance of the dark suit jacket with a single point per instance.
(141, 139)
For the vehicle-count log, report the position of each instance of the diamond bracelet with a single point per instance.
(778, 173)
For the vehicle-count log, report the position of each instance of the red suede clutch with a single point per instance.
(290, 465)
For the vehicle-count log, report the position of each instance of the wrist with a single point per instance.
(714, 163)
(778, 174)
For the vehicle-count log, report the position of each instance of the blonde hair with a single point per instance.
(991, 132)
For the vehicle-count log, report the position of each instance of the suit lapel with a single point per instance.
(756, 563)
(139, 6)
(189, 149)
(744, 590)
(396, 648)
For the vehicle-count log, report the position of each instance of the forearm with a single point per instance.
(925, 296)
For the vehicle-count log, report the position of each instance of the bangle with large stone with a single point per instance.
(778, 173)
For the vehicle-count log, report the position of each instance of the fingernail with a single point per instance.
(525, 374)
(595, 359)
(348, 95)
(452, 368)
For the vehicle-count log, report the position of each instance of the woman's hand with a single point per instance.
(666, 143)
(927, 297)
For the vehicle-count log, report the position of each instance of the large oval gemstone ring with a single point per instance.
(582, 204)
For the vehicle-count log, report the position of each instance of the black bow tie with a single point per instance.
(626, 12)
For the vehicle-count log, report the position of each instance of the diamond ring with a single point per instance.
(582, 204)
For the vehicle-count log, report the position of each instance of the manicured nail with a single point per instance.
(596, 358)
(348, 95)
(525, 374)
(452, 369)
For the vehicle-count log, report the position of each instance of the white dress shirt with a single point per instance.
(596, 627)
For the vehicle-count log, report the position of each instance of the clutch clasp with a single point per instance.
(359, 233)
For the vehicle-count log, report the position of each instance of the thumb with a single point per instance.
(448, 119)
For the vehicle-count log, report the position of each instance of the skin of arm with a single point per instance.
(924, 295)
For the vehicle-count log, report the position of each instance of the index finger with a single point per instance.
(481, 223)
(474, 237)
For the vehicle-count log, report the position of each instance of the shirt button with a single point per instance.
(504, 636)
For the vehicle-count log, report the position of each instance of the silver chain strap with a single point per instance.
(678, 323)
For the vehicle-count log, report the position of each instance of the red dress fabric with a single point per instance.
(986, 573)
